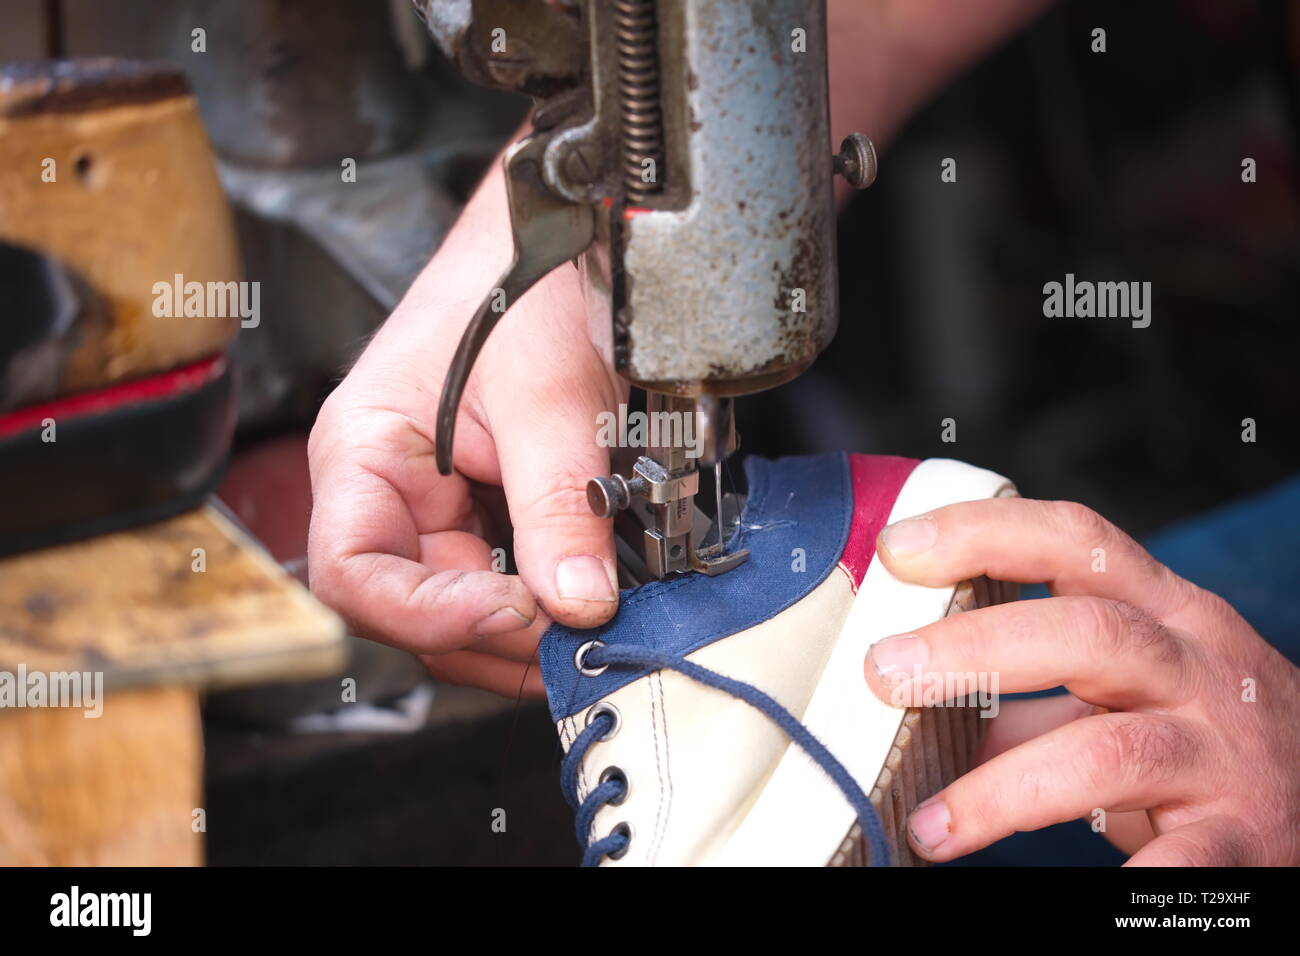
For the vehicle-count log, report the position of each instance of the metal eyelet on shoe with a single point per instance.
(625, 829)
(615, 773)
(581, 655)
(605, 707)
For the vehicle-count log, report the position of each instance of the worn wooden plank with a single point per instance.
(190, 600)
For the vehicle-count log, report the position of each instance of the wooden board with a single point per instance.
(160, 611)
(135, 606)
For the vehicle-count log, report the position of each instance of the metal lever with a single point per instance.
(548, 231)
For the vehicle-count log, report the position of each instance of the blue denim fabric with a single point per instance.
(804, 502)
(1248, 553)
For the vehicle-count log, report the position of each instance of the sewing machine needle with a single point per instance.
(717, 487)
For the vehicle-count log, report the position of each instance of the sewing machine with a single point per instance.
(680, 154)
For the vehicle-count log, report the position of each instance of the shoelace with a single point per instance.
(612, 789)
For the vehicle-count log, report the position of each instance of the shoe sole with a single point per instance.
(125, 456)
(934, 746)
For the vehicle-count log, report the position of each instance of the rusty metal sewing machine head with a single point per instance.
(679, 149)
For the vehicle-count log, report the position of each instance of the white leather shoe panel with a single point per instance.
(695, 757)
(801, 817)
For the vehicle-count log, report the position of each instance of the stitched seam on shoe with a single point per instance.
(659, 769)
(582, 767)
(853, 585)
(668, 768)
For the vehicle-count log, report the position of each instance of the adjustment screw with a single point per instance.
(608, 496)
(856, 161)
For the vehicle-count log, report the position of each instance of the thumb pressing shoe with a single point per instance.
(726, 720)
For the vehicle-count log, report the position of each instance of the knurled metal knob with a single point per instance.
(856, 161)
(608, 496)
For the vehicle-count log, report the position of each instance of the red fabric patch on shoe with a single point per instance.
(97, 402)
(876, 481)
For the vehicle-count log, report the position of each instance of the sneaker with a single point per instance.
(726, 720)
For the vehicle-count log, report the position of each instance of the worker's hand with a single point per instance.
(404, 553)
(1177, 708)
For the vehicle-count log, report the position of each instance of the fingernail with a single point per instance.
(501, 621)
(930, 824)
(584, 577)
(910, 537)
(898, 658)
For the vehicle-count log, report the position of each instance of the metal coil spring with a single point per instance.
(638, 87)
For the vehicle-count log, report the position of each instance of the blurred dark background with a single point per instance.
(1117, 166)
(1123, 166)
